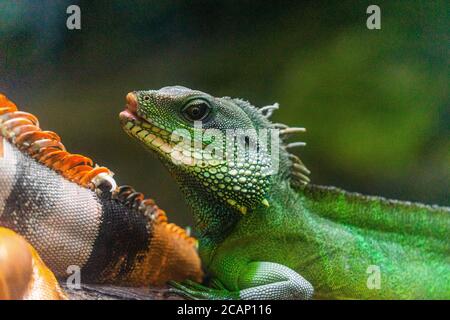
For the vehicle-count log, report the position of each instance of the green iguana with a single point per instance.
(267, 234)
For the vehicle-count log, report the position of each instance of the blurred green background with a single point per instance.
(375, 102)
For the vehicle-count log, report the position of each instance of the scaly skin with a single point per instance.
(273, 236)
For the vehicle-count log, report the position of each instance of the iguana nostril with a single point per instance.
(131, 102)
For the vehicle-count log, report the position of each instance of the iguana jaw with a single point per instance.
(144, 130)
(152, 135)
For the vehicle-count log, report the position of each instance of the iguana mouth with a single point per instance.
(144, 129)
(130, 112)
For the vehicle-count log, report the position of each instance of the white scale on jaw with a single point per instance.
(146, 130)
(176, 152)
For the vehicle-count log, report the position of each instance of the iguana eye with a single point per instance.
(196, 110)
(146, 98)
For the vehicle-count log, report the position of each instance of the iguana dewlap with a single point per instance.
(63, 205)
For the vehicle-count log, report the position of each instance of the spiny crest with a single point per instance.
(299, 172)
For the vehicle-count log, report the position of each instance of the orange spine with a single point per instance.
(22, 129)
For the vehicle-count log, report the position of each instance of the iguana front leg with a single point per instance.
(259, 280)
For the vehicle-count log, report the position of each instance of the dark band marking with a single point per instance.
(123, 237)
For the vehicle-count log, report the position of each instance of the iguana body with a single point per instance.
(73, 214)
(272, 236)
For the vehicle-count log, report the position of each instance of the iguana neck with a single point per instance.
(214, 219)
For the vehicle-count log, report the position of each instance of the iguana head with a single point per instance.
(220, 148)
